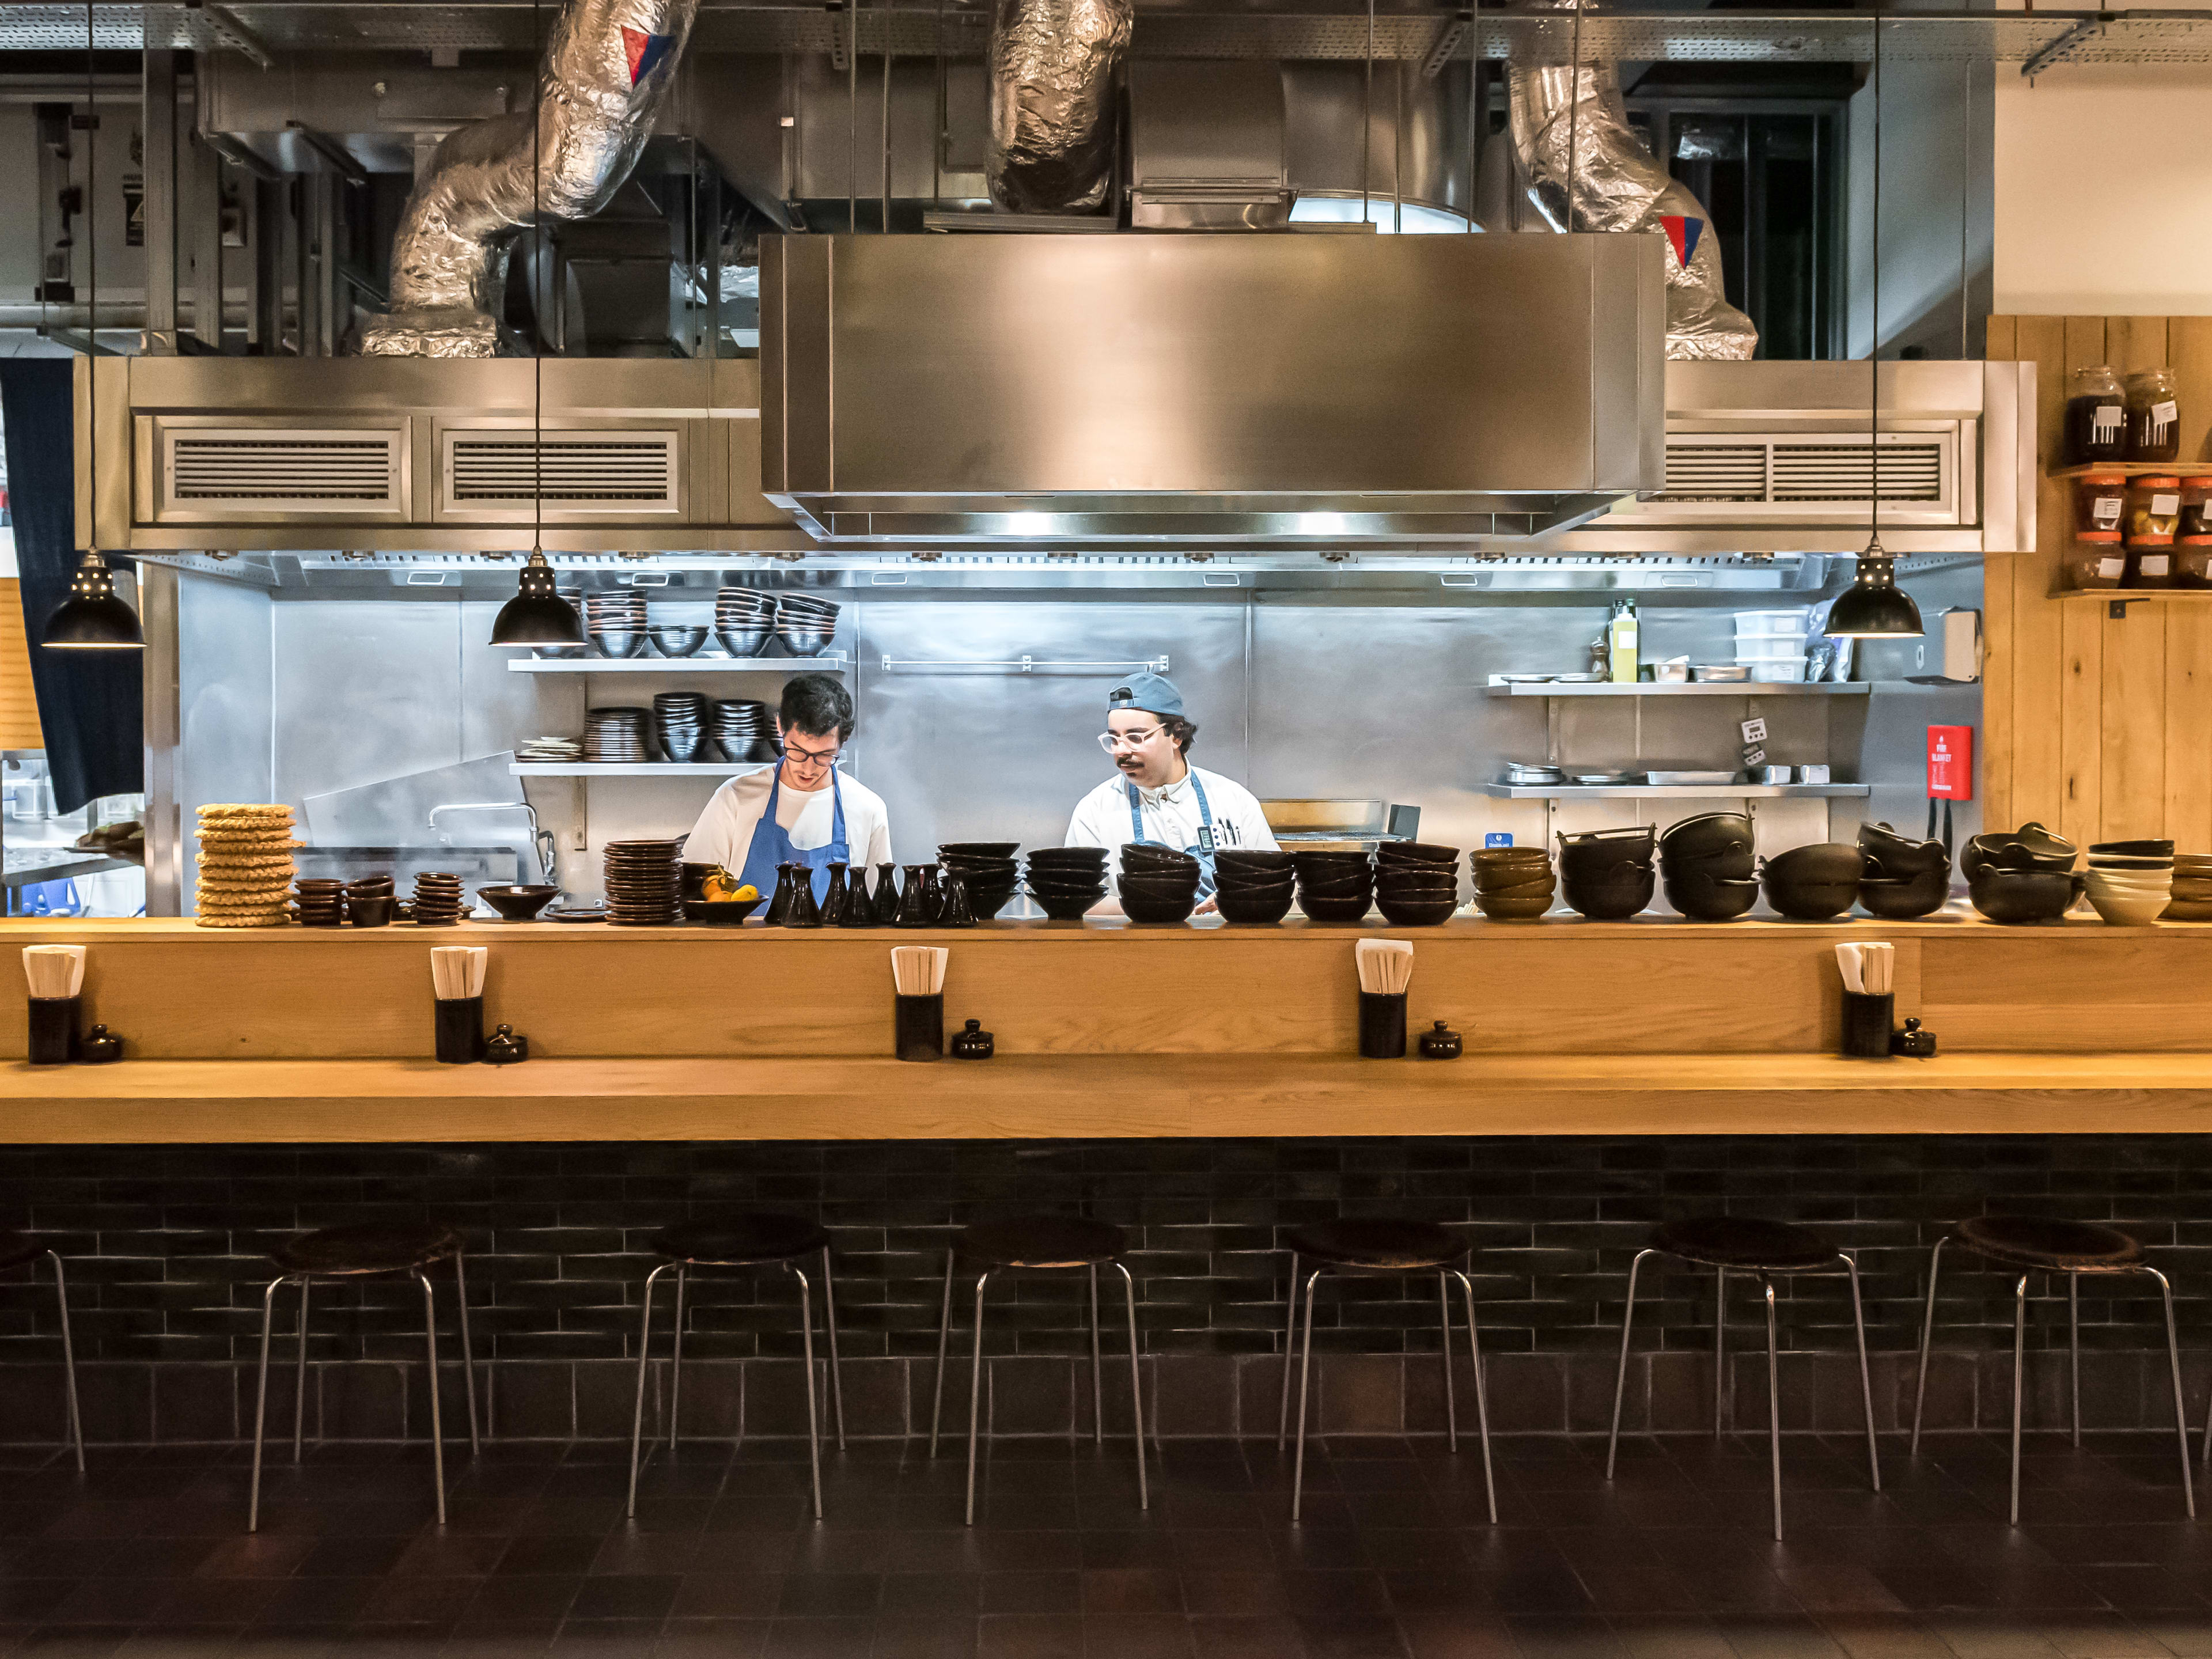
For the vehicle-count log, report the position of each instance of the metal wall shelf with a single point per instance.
(833, 663)
(633, 768)
(1674, 792)
(1695, 689)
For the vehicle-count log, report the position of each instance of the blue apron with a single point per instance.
(1203, 852)
(772, 847)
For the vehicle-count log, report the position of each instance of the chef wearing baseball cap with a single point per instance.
(1159, 798)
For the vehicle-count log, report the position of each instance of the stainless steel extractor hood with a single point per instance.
(1204, 388)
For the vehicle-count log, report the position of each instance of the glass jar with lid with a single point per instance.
(2096, 416)
(2095, 559)
(2192, 539)
(2101, 500)
(2154, 417)
(2153, 516)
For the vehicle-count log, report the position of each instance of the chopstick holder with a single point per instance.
(457, 982)
(56, 976)
(1869, 1009)
(918, 1001)
(1386, 968)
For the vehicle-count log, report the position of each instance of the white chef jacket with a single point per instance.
(725, 831)
(1170, 814)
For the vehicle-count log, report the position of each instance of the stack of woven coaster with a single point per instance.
(244, 867)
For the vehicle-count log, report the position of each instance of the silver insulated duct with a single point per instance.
(608, 67)
(1619, 185)
(1055, 86)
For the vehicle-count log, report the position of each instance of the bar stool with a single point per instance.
(365, 1250)
(1367, 1247)
(1039, 1243)
(2072, 1247)
(1746, 1245)
(19, 1251)
(741, 1241)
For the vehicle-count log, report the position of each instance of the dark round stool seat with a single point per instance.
(1041, 1241)
(16, 1249)
(1746, 1242)
(368, 1247)
(739, 1240)
(1376, 1244)
(2071, 1246)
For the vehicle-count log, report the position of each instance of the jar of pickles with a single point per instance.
(2154, 417)
(2153, 516)
(2192, 538)
(2096, 416)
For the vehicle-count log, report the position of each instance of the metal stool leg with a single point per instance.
(2180, 1421)
(1866, 1381)
(1720, 1344)
(437, 1423)
(69, 1359)
(1305, 1370)
(1927, 1333)
(2018, 1356)
(260, 1408)
(676, 1359)
(1451, 1405)
(1482, 1396)
(1136, 1390)
(1773, 1405)
(637, 1413)
(300, 1377)
(975, 1391)
(1291, 1347)
(807, 1338)
(2074, 1351)
(1097, 1371)
(944, 1335)
(469, 1356)
(829, 1324)
(1620, 1377)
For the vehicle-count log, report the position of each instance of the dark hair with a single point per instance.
(817, 704)
(1183, 730)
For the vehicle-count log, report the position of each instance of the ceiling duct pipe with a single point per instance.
(1055, 92)
(608, 67)
(1571, 122)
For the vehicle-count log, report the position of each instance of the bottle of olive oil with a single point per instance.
(1620, 639)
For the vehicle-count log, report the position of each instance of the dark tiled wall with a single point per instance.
(165, 1246)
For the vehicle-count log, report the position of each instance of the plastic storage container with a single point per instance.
(1768, 624)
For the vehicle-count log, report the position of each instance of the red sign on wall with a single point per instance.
(1951, 762)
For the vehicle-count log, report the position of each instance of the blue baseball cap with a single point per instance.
(1153, 693)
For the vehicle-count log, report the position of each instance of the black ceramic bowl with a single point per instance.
(1251, 909)
(1253, 858)
(2131, 849)
(1330, 864)
(1818, 863)
(2031, 847)
(1353, 888)
(1415, 851)
(720, 913)
(1066, 907)
(1067, 855)
(1734, 864)
(1335, 909)
(1803, 896)
(516, 903)
(1257, 890)
(1613, 895)
(1415, 913)
(1707, 834)
(1439, 877)
(978, 849)
(1901, 899)
(1137, 889)
(986, 870)
(2025, 895)
(1712, 898)
(1900, 857)
(1159, 912)
(1065, 879)
(1604, 847)
(1158, 861)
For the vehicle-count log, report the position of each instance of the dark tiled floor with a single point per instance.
(145, 1557)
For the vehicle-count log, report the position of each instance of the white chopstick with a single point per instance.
(54, 971)
(918, 970)
(1386, 965)
(457, 970)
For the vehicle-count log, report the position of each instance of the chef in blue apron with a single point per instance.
(1156, 796)
(800, 811)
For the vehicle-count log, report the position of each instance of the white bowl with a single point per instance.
(2125, 906)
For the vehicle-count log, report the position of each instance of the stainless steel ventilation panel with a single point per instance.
(567, 476)
(216, 473)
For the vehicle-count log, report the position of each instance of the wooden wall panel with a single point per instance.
(2038, 753)
(19, 707)
(1998, 731)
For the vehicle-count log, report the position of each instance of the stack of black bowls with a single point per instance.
(1252, 885)
(1067, 880)
(1606, 874)
(1334, 886)
(987, 869)
(1904, 877)
(1416, 882)
(2022, 875)
(1817, 882)
(1158, 884)
(1708, 868)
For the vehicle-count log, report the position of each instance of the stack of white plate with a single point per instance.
(743, 618)
(550, 748)
(804, 625)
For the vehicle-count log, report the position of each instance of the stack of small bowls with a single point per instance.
(1904, 877)
(1818, 882)
(988, 870)
(680, 719)
(1710, 873)
(743, 731)
(1334, 886)
(438, 901)
(1066, 881)
(644, 883)
(321, 903)
(2020, 875)
(1513, 884)
(615, 735)
(1252, 885)
(2192, 887)
(676, 639)
(1158, 884)
(1416, 882)
(615, 620)
(743, 620)
(804, 625)
(1608, 874)
(370, 902)
(2131, 883)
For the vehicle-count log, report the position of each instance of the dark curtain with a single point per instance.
(90, 702)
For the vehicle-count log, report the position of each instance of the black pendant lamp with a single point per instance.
(93, 617)
(1874, 606)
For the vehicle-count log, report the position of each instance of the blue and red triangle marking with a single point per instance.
(1682, 233)
(647, 52)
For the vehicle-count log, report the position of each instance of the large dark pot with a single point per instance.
(1710, 898)
(2031, 847)
(2016, 896)
(1901, 899)
(1707, 835)
(1893, 857)
(1614, 894)
(1815, 882)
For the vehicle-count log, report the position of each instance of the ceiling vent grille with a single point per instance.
(574, 474)
(1809, 477)
(209, 473)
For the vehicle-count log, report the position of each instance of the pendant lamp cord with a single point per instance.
(1874, 343)
(541, 283)
(1574, 114)
(91, 285)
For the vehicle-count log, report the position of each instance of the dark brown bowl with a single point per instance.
(1335, 889)
(1415, 913)
(2020, 896)
(1415, 851)
(1158, 913)
(1803, 897)
(1159, 892)
(518, 903)
(1707, 834)
(1068, 906)
(1895, 899)
(980, 849)
(1157, 860)
(1073, 857)
(1257, 890)
(1613, 895)
(1252, 910)
(1501, 907)
(720, 913)
(1334, 910)
(2131, 849)
(1044, 886)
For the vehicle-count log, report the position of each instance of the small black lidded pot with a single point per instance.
(1382, 1025)
(460, 1031)
(53, 1030)
(1440, 1042)
(1867, 1021)
(973, 1042)
(918, 1026)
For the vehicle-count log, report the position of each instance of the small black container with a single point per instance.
(53, 1030)
(1867, 1021)
(1440, 1042)
(460, 1029)
(919, 1026)
(1382, 1025)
